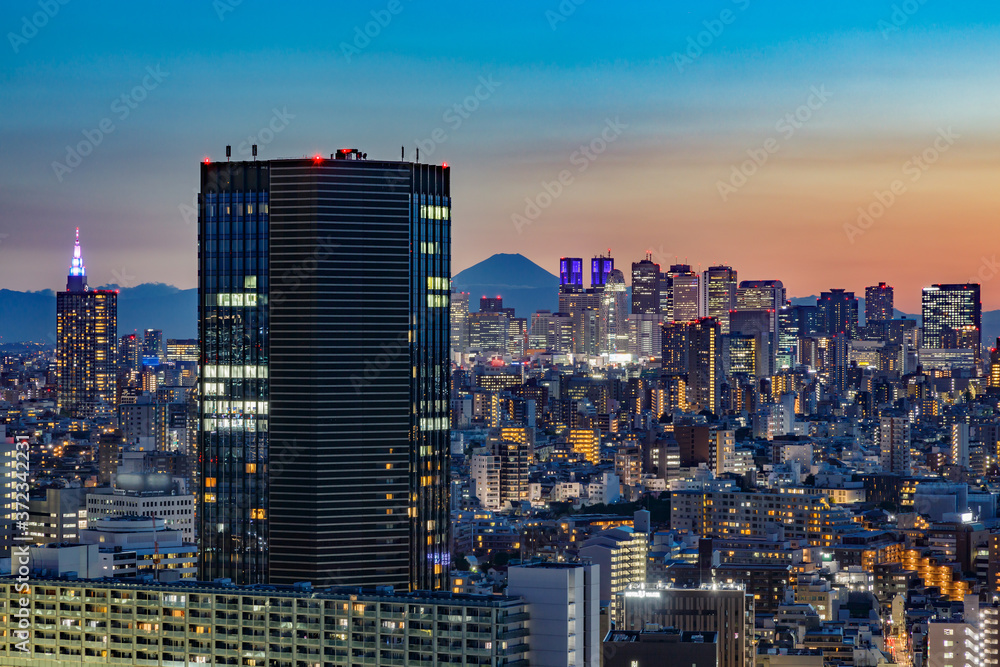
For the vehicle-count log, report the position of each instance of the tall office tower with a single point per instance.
(739, 355)
(459, 328)
(841, 312)
(878, 303)
(571, 271)
(129, 362)
(646, 287)
(787, 353)
(645, 335)
(614, 314)
(600, 267)
(762, 295)
(894, 442)
(584, 308)
(951, 308)
(152, 347)
(995, 365)
(719, 294)
(675, 342)
(756, 323)
(323, 313)
(489, 333)
(704, 365)
(86, 343)
(685, 294)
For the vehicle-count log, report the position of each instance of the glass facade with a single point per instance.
(324, 314)
(947, 309)
(234, 386)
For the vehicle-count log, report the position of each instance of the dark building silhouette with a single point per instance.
(323, 313)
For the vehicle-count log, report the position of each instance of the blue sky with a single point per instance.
(896, 72)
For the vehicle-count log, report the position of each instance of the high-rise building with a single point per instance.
(756, 323)
(705, 365)
(584, 309)
(571, 271)
(600, 267)
(86, 344)
(675, 342)
(323, 313)
(764, 296)
(152, 347)
(644, 337)
(719, 294)
(878, 303)
(994, 381)
(894, 443)
(951, 308)
(646, 287)
(680, 294)
(614, 314)
(459, 337)
(841, 312)
(129, 362)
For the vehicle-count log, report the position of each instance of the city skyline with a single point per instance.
(872, 89)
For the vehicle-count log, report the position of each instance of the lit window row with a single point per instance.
(434, 423)
(236, 300)
(248, 424)
(437, 282)
(250, 372)
(249, 407)
(437, 300)
(435, 212)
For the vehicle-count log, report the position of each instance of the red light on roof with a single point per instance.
(207, 161)
(317, 158)
(444, 164)
(345, 151)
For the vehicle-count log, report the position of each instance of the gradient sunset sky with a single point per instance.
(896, 78)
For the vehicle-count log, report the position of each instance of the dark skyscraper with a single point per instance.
(86, 344)
(951, 309)
(840, 309)
(878, 303)
(571, 271)
(719, 292)
(600, 267)
(324, 299)
(645, 287)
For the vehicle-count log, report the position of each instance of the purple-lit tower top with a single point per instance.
(77, 279)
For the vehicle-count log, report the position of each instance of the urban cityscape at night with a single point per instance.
(558, 334)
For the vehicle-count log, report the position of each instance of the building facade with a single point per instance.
(86, 344)
(323, 310)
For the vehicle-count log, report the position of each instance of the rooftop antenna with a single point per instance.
(402, 153)
(254, 149)
(229, 152)
(418, 155)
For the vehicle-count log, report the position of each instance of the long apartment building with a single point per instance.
(99, 622)
(758, 515)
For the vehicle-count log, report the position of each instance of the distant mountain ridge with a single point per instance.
(31, 316)
(524, 286)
